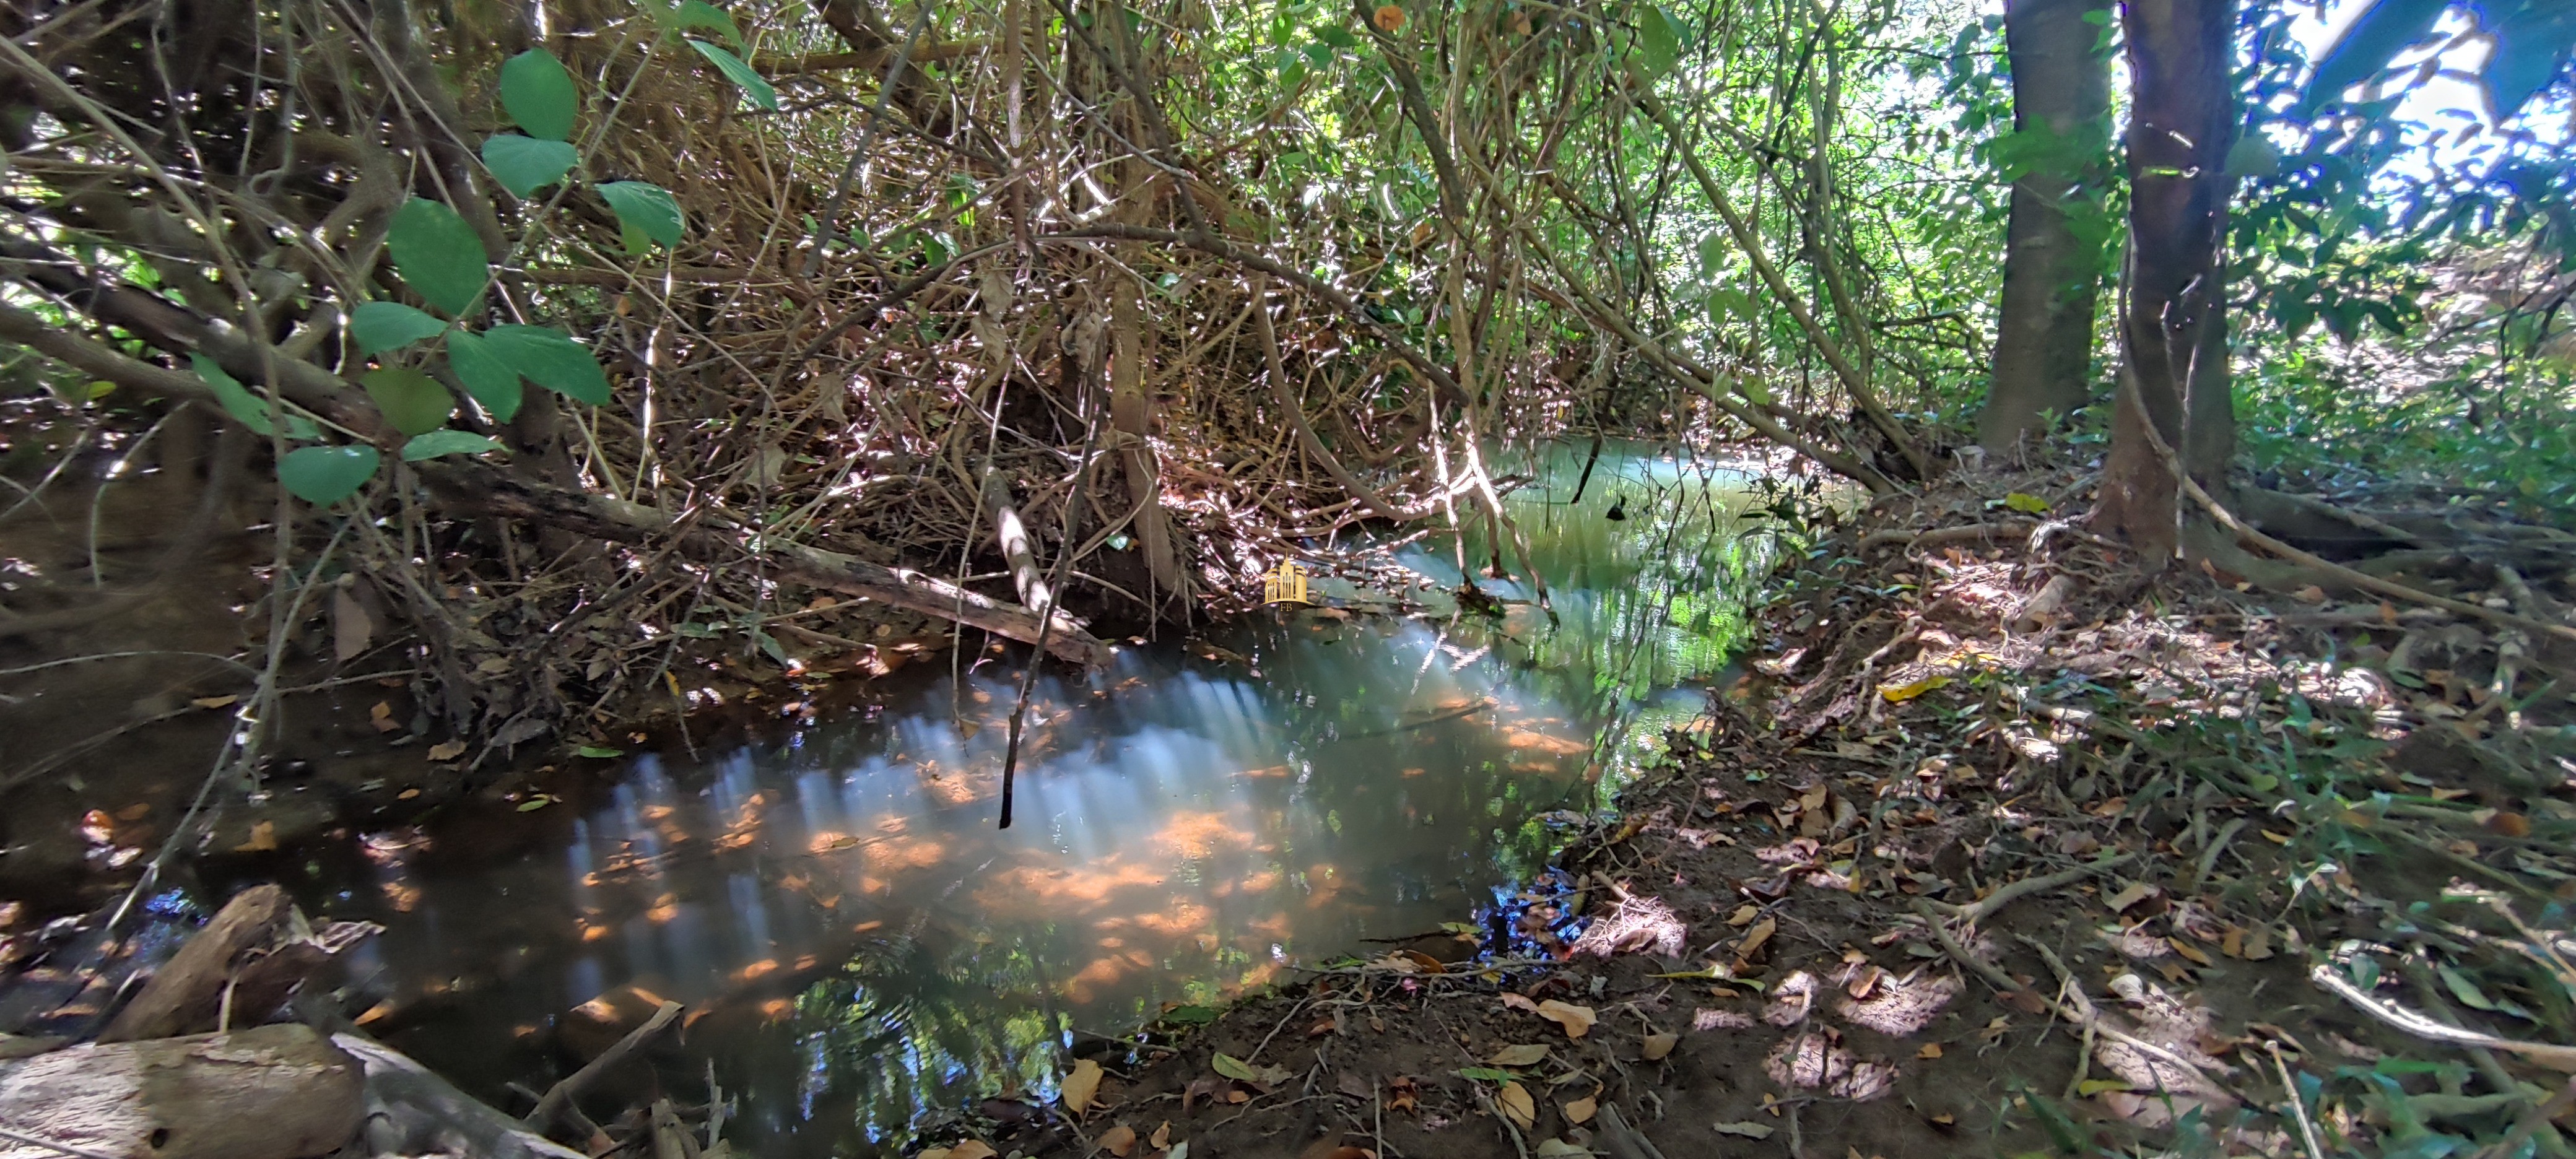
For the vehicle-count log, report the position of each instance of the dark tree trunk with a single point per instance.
(2052, 249)
(2173, 327)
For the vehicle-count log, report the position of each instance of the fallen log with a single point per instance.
(412, 1111)
(270, 1092)
(238, 970)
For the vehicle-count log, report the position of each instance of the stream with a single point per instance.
(861, 947)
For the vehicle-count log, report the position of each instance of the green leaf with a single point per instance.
(739, 73)
(413, 402)
(1659, 41)
(2532, 44)
(1191, 1015)
(446, 442)
(524, 164)
(647, 207)
(535, 803)
(439, 256)
(2367, 45)
(491, 381)
(539, 94)
(1232, 1067)
(383, 326)
(2465, 990)
(2026, 504)
(600, 752)
(551, 359)
(323, 476)
(1486, 1073)
(700, 14)
(237, 399)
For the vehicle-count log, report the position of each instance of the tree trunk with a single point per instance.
(2173, 328)
(2052, 247)
(272, 1092)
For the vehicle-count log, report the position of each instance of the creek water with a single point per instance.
(861, 947)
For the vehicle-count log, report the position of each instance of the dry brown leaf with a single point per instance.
(1580, 1111)
(1118, 1140)
(972, 1149)
(2258, 944)
(1930, 1050)
(263, 839)
(447, 750)
(214, 702)
(1659, 1045)
(1524, 1054)
(2137, 891)
(382, 716)
(1744, 915)
(1162, 1137)
(351, 629)
(1081, 1086)
(1519, 1002)
(1753, 938)
(1747, 1130)
(1577, 1020)
(134, 812)
(1517, 1105)
(2188, 950)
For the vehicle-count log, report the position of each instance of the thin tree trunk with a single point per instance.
(2052, 252)
(2172, 325)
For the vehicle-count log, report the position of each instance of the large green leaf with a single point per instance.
(525, 164)
(413, 402)
(439, 256)
(647, 207)
(325, 475)
(484, 375)
(539, 94)
(700, 14)
(237, 399)
(432, 444)
(2366, 46)
(383, 326)
(551, 359)
(1659, 41)
(2533, 42)
(739, 73)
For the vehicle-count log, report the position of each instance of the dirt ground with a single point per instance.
(1977, 864)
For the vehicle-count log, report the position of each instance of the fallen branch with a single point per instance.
(2005, 894)
(561, 1094)
(2548, 1054)
(1940, 536)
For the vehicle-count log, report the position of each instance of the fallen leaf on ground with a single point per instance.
(1900, 693)
(2138, 891)
(1081, 1086)
(1524, 1054)
(214, 702)
(382, 716)
(447, 751)
(1162, 1136)
(1118, 1140)
(1659, 1045)
(1744, 915)
(2188, 950)
(1746, 1130)
(1517, 1105)
(1930, 1050)
(1753, 938)
(1520, 1002)
(263, 839)
(1577, 1020)
(1581, 1110)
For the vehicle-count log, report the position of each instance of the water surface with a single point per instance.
(860, 945)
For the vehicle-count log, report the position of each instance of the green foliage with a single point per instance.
(433, 444)
(698, 14)
(381, 326)
(549, 358)
(2533, 40)
(439, 256)
(322, 476)
(490, 380)
(247, 408)
(539, 94)
(525, 164)
(753, 87)
(413, 402)
(645, 208)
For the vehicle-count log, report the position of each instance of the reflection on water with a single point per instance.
(862, 946)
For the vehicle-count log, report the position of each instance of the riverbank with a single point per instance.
(2000, 850)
